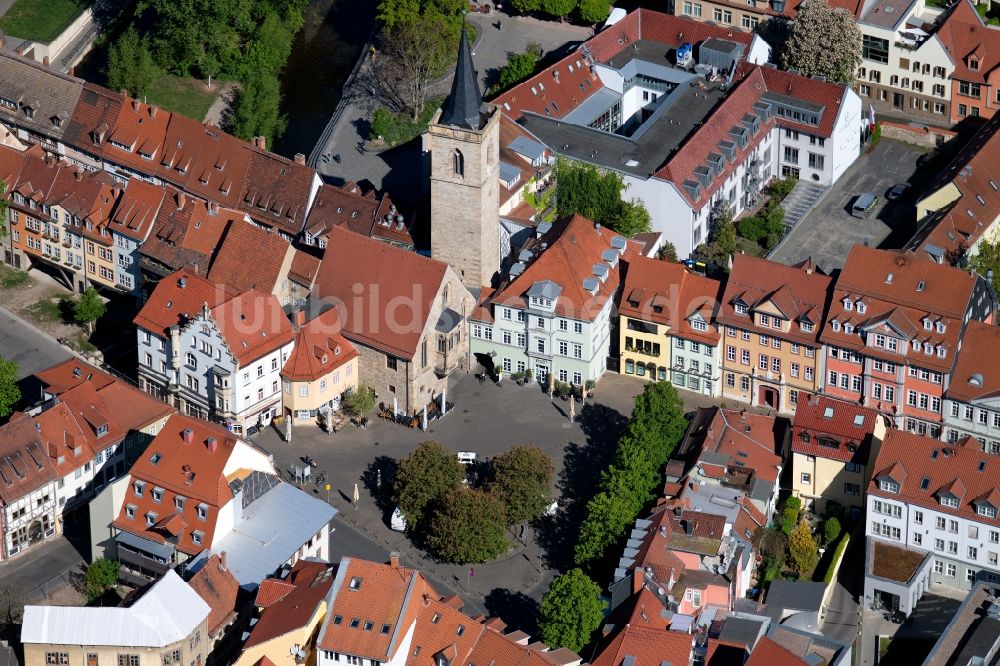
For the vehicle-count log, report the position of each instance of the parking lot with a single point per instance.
(828, 232)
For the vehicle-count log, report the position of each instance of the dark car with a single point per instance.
(927, 158)
(897, 191)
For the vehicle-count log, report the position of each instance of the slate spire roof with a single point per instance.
(461, 109)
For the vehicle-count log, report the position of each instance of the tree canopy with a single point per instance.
(100, 575)
(89, 308)
(10, 393)
(518, 68)
(424, 478)
(572, 609)
(468, 526)
(986, 259)
(520, 479)
(360, 401)
(130, 64)
(597, 195)
(656, 426)
(803, 550)
(594, 11)
(416, 51)
(825, 41)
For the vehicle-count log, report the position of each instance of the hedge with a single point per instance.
(837, 555)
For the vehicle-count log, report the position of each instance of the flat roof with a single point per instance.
(887, 13)
(640, 157)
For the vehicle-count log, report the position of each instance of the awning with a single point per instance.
(164, 551)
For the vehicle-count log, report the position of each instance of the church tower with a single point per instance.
(464, 142)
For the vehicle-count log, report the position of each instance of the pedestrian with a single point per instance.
(499, 376)
(336, 158)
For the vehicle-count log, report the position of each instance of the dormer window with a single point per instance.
(888, 485)
(860, 307)
(150, 519)
(849, 329)
(138, 487)
(940, 351)
(157, 495)
(740, 308)
(949, 501)
(102, 430)
(203, 511)
(806, 326)
(986, 510)
(848, 305)
(699, 325)
(928, 348)
(940, 327)
(928, 324)
(356, 583)
(973, 65)
(835, 325)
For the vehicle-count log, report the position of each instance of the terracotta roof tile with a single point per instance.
(667, 293)
(272, 591)
(962, 468)
(769, 653)
(849, 425)
(320, 348)
(215, 583)
(964, 33)
(203, 160)
(310, 583)
(384, 274)
(137, 209)
(252, 324)
(649, 647)
(29, 457)
(137, 136)
(304, 268)
(977, 373)
(176, 298)
(277, 191)
(187, 233)
(96, 111)
(269, 267)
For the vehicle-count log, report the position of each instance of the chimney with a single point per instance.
(300, 159)
(187, 435)
(116, 191)
(135, 104)
(45, 61)
(394, 559)
(260, 142)
(71, 71)
(222, 561)
(152, 110)
(212, 444)
(78, 174)
(181, 200)
(300, 318)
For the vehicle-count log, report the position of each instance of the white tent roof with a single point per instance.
(168, 612)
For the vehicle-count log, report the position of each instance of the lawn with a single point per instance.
(50, 309)
(40, 20)
(184, 95)
(11, 279)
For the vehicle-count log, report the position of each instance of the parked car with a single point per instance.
(897, 191)
(864, 204)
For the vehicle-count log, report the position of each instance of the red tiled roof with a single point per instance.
(346, 205)
(277, 191)
(93, 414)
(304, 268)
(271, 591)
(320, 348)
(976, 357)
(963, 468)
(96, 111)
(575, 246)
(384, 274)
(549, 95)
(669, 30)
(769, 653)
(142, 129)
(648, 645)
(841, 426)
(215, 583)
(267, 269)
(203, 160)
(963, 33)
(899, 293)
(667, 293)
(186, 469)
(29, 457)
(186, 233)
(798, 293)
(137, 208)
(310, 582)
(252, 324)
(177, 297)
(750, 441)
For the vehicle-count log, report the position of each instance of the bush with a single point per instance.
(381, 123)
(789, 518)
(100, 576)
(774, 544)
(772, 569)
(831, 529)
(838, 554)
(876, 134)
(793, 503)
(803, 550)
(781, 188)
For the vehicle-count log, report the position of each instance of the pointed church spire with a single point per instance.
(462, 108)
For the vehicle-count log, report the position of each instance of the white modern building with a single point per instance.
(972, 400)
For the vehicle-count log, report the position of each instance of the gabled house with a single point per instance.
(217, 586)
(552, 311)
(268, 273)
(772, 316)
(213, 351)
(405, 314)
(893, 330)
(834, 444)
(666, 326)
(972, 399)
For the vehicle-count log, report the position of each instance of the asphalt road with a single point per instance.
(29, 347)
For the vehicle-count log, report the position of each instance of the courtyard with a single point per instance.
(487, 419)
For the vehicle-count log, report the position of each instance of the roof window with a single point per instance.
(356, 583)
(338, 619)
(355, 622)
(859, 419)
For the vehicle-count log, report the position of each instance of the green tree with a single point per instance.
(519, 67)
(667, 252)
(803, 551)
(571, 610)
(100, 576)
(521, 478)
(831, 529)
(360, 401)
(418, 51)
(594, 11)
(987, 259)
(424, 478)
(597, 195)
(394, 13)
(257, 109)
(724, 230)
(10, 393)
(789, 519)
(558, 8)
(130, 65)
(4, 205)
(467, 526)
(527, 6)
(825, 41)
(89, 308)
(774, 544)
